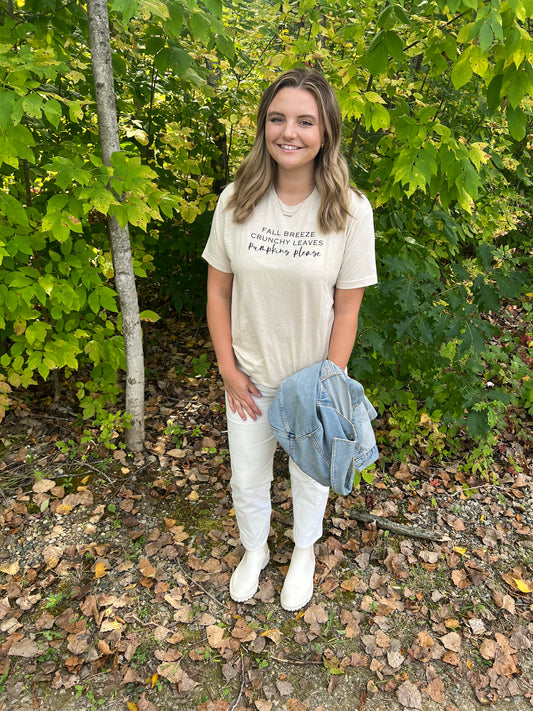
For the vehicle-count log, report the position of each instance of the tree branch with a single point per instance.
(387, 525)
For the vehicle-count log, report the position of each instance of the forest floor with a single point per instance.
(114, 570)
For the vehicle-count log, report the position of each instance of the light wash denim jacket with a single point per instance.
(322, 419)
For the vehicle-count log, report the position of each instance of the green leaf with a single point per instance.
(75, 111)
(377, 59)
(518, 85)
(225, 46)
(153, 8)
(402, 15)
(94, 302)
(215, 7)
(53, 112)
(199, 27)
(517, 122)
(33, 105)
(462, 71)
(486, 36)
(175, 22)
(36, 332)
(380, 117)
(128, 8)
(149, 316)
(174, 58)
(386, 20)
(7, 100)
(107, 299)
(394, 45)
(494, 92)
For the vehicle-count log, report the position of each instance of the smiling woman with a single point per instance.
(290, 253)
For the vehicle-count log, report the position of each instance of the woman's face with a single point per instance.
(293, 130)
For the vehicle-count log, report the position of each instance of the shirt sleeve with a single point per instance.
(215, 252)
(358, 268)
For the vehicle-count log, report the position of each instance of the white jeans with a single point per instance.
(251, 447)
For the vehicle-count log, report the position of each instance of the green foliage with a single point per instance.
(57, 305)
(436, 103)
(436, 135)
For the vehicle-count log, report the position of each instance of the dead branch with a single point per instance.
(401, 530)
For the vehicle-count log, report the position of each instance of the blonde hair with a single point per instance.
(256, 174)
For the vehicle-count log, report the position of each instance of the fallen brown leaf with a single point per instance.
(409, 695)
(243, 632)
(316, 614)
(452, 641)
(435, 690)
(215, 636)
(146, 568)
(43, 486)
(25, 648)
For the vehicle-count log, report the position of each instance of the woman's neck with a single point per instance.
(291, 190)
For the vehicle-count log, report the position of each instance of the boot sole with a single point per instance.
(298, 606)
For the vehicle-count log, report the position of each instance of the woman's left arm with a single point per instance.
(346, 305)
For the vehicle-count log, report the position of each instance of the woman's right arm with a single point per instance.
(239, 387)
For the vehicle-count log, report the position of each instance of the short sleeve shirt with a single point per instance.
(285, 271)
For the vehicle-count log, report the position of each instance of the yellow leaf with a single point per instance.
(10, 568)
(458, 549)
(132, 706)
(274, 635)
(63, 509)
(522, 586)
(100, 570)
(154, 679)
(193, 496)
(110, 625)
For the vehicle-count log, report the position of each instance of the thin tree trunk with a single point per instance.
(120, 239)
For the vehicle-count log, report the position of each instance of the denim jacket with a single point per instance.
(321, 418)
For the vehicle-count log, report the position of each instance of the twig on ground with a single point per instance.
(289, 660)
(195, 582)
(387, 525)
(234, 706)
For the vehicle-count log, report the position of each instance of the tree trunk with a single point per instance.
(120, 240)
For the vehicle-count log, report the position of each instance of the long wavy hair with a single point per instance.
(257, 173)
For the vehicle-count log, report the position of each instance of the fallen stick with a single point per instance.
(387, 525)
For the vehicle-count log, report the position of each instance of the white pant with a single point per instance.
(251, 447)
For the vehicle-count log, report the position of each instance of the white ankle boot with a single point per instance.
(245, 579)
(298, 587)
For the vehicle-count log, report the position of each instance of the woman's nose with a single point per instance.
(289, 128)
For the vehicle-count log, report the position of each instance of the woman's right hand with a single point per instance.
(239, 391)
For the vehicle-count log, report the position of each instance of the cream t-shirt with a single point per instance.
(285, 271)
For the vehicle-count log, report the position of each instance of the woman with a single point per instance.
(290, 253)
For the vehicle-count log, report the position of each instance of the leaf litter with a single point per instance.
(114, 574)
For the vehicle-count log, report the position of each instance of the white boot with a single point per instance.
(298, 586)
(245, 579)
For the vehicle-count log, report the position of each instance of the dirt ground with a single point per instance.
(114, 574)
